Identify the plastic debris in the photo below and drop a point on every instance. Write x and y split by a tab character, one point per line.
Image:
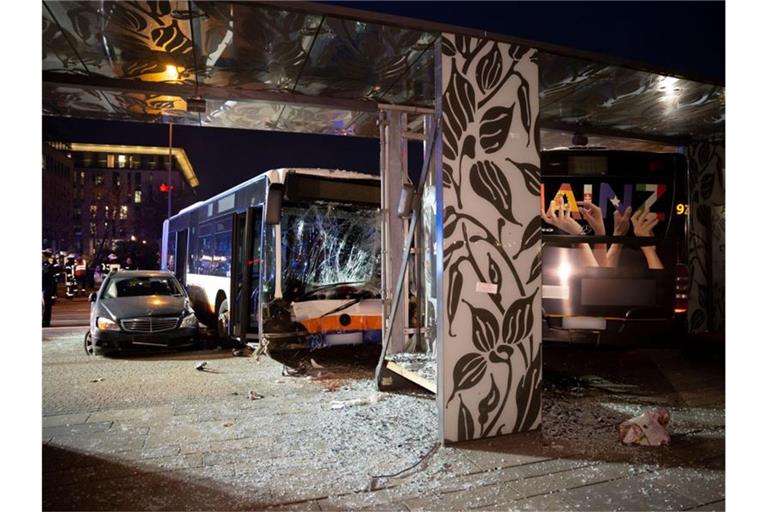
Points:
97	380
252	395
200	366
341	404
648	429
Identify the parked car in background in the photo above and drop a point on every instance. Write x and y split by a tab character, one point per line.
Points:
137	310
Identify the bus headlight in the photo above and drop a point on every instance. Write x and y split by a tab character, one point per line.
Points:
189	321
105	324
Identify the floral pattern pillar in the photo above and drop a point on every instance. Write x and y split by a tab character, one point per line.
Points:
706	238
489	348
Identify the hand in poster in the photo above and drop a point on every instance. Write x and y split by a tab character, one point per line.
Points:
559	215
593	215
621	222
643	223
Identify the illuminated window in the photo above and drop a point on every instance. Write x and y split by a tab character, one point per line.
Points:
111	161
121	161
98	178
123	212
116	180
137	196
93	210
92	228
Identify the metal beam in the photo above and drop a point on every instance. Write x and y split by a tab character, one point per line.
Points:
207	92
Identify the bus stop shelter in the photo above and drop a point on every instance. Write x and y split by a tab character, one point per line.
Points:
484	106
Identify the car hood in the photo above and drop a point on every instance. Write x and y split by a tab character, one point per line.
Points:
153	305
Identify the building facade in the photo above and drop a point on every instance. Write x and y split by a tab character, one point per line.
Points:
57	196
113	194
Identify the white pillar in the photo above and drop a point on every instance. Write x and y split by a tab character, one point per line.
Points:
489	287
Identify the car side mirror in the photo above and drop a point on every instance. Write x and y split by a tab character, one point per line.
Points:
92	297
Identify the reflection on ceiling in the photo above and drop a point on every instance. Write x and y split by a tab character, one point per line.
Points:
262	67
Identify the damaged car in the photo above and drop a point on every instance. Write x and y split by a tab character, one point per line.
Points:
139	310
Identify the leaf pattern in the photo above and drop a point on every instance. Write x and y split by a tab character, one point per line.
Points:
494	271
469	370
485	328
489	182
531	176
494	128
518	320
524	100
489	69
487	86
535	271
455	282
706	231
489	403
466	423
459	99
528	395
531	236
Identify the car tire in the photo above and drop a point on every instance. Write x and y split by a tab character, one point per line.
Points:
90	348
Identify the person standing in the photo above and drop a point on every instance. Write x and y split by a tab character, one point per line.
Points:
49	286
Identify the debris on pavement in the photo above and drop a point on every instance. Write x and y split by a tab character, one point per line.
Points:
648	429
244	351
200	366
252	395
341	404
100	379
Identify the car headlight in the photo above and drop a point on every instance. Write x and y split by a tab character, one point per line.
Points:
105	324
189	321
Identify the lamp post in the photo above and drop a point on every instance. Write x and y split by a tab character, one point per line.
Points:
170	165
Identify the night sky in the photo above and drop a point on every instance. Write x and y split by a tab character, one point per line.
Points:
685	36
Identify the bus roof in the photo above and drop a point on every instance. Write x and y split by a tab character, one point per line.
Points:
278	176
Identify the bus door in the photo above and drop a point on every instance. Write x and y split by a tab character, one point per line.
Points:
181	256
246	267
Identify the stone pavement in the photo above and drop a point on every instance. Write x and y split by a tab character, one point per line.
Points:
152	433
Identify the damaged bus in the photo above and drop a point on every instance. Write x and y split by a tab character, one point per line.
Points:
614	254
290	258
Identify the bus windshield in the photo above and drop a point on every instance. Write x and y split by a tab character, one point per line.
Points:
325	245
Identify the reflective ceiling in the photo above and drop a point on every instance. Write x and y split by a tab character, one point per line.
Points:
266	68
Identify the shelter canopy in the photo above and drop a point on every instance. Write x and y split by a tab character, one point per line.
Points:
298	69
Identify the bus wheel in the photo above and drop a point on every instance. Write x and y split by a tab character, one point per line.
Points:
222	323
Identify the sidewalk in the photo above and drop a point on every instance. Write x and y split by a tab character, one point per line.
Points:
154	433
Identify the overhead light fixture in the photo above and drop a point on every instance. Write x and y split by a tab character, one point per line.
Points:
171	72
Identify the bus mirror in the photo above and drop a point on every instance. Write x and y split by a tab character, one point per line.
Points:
274	204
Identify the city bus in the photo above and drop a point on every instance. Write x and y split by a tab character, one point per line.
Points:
630	284
290	258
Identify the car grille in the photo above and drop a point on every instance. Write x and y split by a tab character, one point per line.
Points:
150	324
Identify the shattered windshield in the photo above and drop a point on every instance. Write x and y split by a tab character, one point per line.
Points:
330	244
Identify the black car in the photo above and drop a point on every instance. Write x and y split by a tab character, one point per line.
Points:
137	310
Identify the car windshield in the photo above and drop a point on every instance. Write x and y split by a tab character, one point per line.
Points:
141	286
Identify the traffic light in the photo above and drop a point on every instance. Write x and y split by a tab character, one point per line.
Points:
164	187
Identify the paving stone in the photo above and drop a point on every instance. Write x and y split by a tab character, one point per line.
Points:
64	420
551	501
75	429
134	416
100	442
626	494
718	505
